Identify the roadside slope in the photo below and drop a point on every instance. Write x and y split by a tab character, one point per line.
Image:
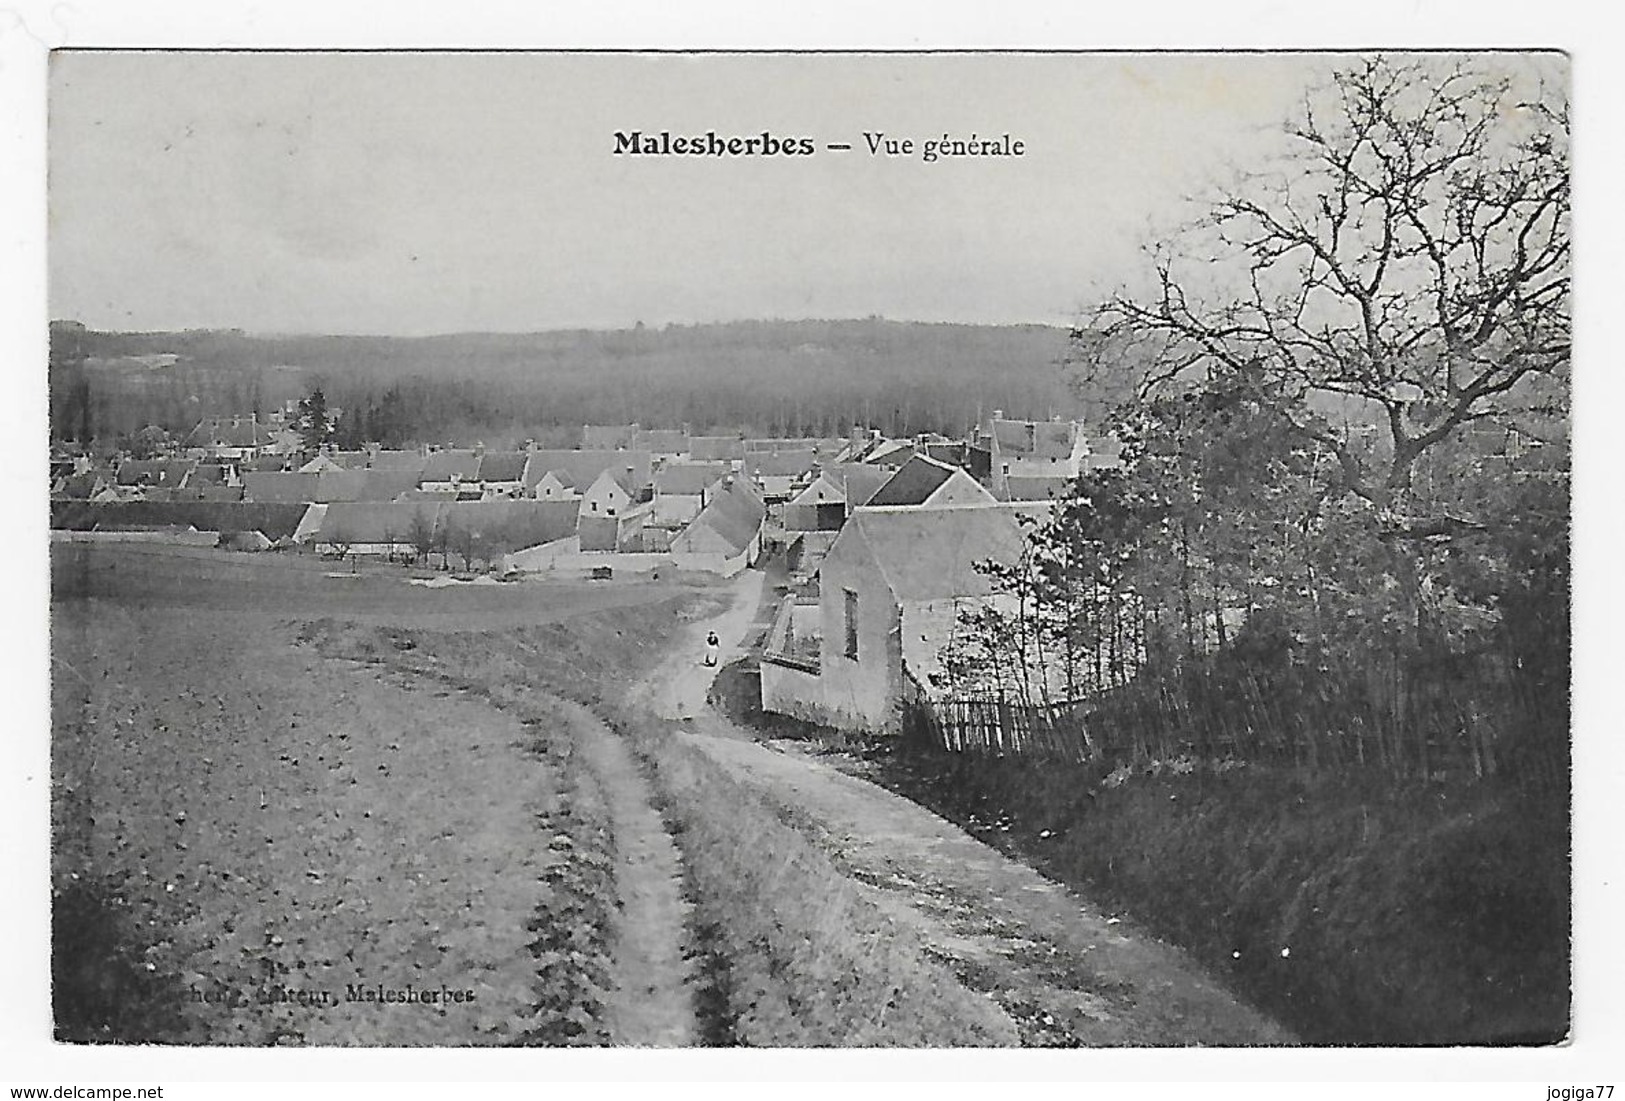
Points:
1065	972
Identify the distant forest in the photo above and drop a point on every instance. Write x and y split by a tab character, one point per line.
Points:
764	377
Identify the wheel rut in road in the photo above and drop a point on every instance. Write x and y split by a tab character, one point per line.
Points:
651	998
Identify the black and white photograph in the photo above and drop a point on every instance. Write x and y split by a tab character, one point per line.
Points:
779	549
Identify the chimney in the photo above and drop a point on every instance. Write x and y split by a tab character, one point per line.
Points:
479	450
998	414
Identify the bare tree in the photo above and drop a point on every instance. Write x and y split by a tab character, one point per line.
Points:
339	538
1406	263
458	539
420	534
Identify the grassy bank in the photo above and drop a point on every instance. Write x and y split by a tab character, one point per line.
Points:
795	956
1353	911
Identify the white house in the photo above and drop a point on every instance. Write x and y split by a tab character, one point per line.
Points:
726	536
891	569
608	495
554	485
681	489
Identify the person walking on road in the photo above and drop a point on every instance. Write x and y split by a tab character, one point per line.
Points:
712	648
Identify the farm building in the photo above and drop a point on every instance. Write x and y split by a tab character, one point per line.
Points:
889	573
213	474
681	489
826	449
1029	450
860	481
502	474
233	438
80	487
373	528
516	524
151	474
662	443
609	437
819	507
373	484
924	482
726	536
778	474
888	453
705	449
449	471
578	469
554	485
477	527
611	493
620	530
207	492
281	487
377	458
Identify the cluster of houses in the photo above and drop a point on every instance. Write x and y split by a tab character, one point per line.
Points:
883	535
890	541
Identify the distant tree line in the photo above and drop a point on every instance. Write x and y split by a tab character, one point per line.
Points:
768	378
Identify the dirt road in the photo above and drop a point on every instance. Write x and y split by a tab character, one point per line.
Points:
651	999
1064	971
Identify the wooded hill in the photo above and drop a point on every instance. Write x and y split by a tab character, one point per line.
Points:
768	377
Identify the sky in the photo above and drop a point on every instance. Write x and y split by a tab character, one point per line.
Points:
412	193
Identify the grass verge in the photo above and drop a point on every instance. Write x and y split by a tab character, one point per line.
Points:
1353	911
795	956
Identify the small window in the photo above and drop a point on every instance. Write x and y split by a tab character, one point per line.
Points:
851	624
595	506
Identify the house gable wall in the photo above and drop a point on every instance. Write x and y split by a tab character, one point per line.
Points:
959	489
865	694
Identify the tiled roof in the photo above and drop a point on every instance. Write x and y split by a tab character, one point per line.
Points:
669	441
771	464
861	481
584	465
157	473
689	479
914	481
287	487
734	514
607	437
930	554
443	465
230	432
502	466
705	448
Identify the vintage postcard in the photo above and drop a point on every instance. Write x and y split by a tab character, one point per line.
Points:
810	550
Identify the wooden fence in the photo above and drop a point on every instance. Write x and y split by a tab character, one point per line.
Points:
1461	718
999	727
